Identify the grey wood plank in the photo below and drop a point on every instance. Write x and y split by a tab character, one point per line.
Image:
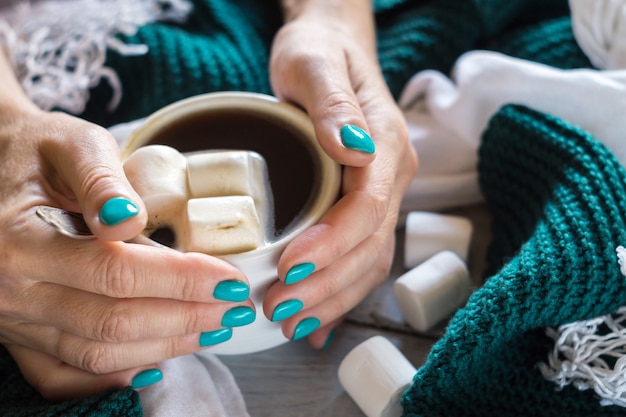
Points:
296	380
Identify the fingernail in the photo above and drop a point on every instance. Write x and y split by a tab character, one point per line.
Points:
231	290
116	210
299	272
286	309
215	337
305	328
238	316
354	137
147	377
329	339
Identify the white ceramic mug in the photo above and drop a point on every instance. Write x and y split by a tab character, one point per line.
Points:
305	181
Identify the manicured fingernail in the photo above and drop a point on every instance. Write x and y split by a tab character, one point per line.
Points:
299	272
354	137
215	337
329	339
286	309
305	328
147	377
238	316
116	210
231	290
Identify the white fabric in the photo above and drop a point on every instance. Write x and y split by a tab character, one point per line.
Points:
600	30
197	385
447	115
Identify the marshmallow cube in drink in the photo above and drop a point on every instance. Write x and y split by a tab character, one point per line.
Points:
375	374
233	173
221	225
432	291
210	200
429	233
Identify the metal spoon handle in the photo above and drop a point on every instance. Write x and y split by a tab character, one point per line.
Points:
66	222
73	225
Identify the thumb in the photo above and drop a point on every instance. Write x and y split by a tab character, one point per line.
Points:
325	91
87	160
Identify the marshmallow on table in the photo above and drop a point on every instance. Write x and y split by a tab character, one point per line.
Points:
210	200
429	233
375	374
432	291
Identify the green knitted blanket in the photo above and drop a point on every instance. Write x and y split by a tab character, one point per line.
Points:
225	46
489	351
559	203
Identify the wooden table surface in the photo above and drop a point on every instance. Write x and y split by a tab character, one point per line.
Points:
295	380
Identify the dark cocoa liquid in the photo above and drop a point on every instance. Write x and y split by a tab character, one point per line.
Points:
291	167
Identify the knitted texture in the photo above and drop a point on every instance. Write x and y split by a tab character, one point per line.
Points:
225	45
558	200
18	399
550	42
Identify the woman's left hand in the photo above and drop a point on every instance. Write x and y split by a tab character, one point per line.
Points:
324	60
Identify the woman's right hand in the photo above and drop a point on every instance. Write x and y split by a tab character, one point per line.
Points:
71	308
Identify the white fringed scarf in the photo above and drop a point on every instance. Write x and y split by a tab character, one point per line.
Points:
58	48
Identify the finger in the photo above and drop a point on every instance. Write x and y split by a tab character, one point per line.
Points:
85	159
310	320
325	87
58	381
355	274
126	270
104	358
357	215
110	320
323	337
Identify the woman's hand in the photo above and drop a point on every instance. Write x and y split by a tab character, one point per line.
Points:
324	60
79	316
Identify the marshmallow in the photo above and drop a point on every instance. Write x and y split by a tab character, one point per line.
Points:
433	290
215	202
430	233
223	173
375	374
158	174
220	225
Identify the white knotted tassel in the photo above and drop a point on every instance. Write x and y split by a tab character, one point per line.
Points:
58	48
591	354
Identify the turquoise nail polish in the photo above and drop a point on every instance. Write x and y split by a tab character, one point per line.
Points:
299	272
238	316
215	337
286	309
231	290
354	137
147	377
329	339
116	210
305	328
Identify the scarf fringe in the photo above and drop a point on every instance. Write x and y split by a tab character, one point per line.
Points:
58	48
591	354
